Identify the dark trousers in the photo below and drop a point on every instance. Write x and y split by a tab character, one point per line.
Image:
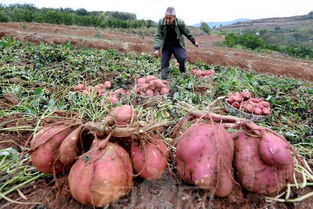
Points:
179	54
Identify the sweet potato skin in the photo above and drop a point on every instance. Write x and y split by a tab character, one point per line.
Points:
101	177
255	175
204	157
45	148
274	151
150	159
121	114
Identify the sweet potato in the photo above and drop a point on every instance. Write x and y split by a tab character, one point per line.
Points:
150	78
121	115
164	91
238	98
274	151
141	81
158	83
253	173
264	104
248	108
230	100
107	84
45	145
150	159
79	87
245	94
257	111
204	157
68	150
266	111
149	92
99	87
101	176
256	100
113	98
120	91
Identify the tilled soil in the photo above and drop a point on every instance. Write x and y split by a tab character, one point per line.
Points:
274	63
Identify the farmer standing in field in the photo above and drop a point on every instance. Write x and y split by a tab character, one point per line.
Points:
169	39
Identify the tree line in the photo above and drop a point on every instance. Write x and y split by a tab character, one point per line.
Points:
68	16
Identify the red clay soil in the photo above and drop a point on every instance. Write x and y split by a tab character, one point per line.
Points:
274	63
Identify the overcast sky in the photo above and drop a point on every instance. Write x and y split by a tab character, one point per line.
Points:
191	11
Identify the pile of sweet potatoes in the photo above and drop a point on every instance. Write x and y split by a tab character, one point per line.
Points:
101	89
100	171
202	73
245	102
151	86
206	153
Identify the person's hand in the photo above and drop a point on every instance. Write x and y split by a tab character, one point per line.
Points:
157	53
196	44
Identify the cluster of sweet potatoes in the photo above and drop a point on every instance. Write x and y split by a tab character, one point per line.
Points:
151	86
245	102
262	159
202	73
101	89
100	168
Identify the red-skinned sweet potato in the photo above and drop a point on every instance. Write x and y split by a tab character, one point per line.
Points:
101	176
150	159
45	147
113	98
121	115
79	87
253	173
141	81
164	91
149	92
150	78
107	84
68	150
274	151
245	94
204	158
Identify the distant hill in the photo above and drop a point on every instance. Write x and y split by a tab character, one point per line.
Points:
218	24
278	30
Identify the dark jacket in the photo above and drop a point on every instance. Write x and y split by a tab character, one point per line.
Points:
180	28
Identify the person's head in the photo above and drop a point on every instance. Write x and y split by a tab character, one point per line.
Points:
170	15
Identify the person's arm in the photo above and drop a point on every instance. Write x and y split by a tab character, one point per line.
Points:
158	37
187	32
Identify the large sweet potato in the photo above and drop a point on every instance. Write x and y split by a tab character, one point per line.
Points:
257	175
204	157
101	176
150	159
45	145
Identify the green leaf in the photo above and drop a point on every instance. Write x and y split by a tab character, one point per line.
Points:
310	91
38	91
307	129
249	76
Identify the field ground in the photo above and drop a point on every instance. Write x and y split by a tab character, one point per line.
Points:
274	63
37	82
